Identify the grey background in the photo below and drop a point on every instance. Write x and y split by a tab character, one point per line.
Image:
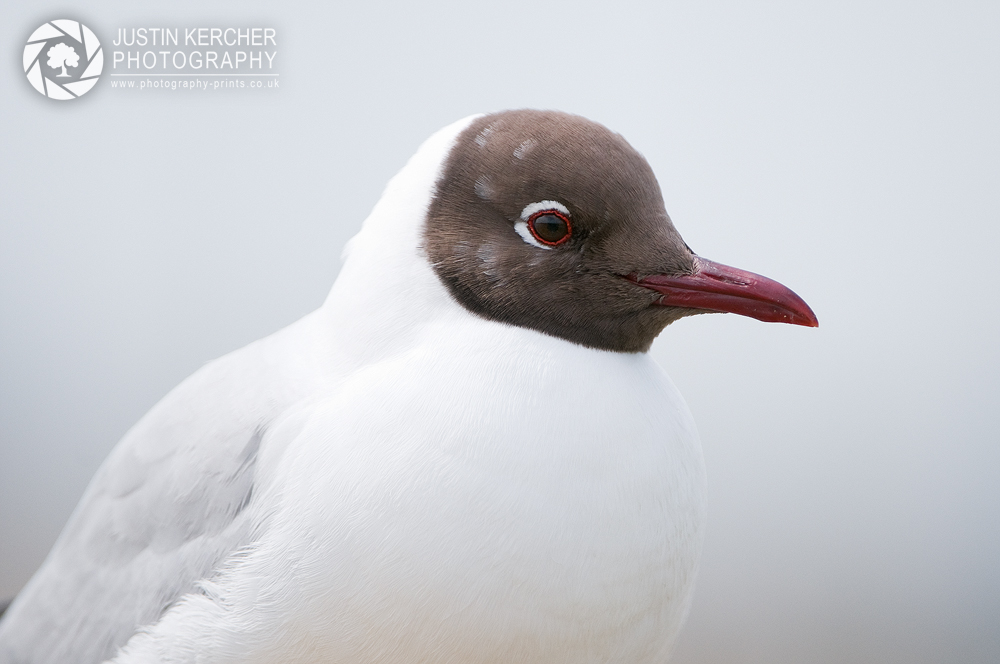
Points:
848	149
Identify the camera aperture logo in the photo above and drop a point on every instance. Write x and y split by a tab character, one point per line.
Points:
63	59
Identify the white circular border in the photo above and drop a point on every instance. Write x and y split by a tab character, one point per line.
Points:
79	33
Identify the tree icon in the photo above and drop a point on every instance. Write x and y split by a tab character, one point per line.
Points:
63	55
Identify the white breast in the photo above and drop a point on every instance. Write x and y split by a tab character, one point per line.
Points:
492	495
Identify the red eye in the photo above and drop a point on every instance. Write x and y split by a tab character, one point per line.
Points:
550	227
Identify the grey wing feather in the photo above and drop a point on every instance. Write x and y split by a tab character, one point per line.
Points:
163	511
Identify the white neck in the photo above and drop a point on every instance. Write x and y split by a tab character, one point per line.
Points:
387	288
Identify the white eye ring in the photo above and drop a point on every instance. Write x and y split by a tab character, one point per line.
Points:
522	226
532	208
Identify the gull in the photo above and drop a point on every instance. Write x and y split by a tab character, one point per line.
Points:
465	455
